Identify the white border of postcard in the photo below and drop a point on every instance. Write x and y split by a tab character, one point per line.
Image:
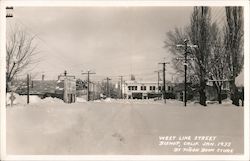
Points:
79	3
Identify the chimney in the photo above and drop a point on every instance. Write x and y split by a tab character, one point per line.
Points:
132	77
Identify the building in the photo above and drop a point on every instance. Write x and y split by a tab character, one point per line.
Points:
36	87
193	91
144	89
63	88
66	87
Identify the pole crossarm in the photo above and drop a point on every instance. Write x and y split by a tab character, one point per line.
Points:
191	46
107	78
160	70
186	59
164	63
89	73
220	80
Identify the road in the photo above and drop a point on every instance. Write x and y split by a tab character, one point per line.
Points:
118	127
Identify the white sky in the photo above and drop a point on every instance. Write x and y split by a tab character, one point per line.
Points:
110	41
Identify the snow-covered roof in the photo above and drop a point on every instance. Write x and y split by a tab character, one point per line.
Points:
144	82
239	81
39	86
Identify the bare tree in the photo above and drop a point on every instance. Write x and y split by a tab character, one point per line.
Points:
218	65
173	38
200	35
234	47
177	36
219	55
109	90
20	50
198	32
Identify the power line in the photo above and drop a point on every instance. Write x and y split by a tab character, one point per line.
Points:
41	40
56	52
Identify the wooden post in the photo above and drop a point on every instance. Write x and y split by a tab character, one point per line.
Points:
28	89
12	98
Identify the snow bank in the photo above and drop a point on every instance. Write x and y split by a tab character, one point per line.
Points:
34	99
80	100
140	101
21	99
51	100
227	101
109	100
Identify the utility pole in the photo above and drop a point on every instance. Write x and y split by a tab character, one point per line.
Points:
65	89
93	90
108	89
88	81
31	82
164	80
28	89
158	81
121	86
185	66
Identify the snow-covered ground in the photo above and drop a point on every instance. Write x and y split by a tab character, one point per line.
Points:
110	126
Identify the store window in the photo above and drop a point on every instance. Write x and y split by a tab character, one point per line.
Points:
143	88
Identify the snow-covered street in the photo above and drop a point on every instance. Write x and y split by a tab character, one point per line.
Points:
116	126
